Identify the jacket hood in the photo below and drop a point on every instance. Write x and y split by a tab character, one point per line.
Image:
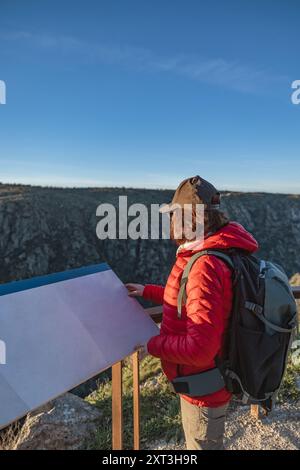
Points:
233	235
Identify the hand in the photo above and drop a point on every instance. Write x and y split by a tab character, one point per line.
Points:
135	290
142	349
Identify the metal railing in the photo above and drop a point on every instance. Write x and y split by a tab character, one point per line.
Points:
117	412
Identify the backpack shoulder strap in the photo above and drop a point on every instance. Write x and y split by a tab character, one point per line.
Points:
182	290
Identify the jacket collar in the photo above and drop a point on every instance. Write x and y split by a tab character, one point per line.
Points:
194	245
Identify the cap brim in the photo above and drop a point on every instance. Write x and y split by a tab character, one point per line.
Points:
171	207
165	208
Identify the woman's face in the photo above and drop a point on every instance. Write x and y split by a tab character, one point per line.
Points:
187	225
174	222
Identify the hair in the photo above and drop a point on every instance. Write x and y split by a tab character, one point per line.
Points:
214	220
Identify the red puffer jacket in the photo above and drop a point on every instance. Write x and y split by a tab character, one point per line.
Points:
189	345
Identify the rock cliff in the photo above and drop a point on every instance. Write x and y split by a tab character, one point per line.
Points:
46	230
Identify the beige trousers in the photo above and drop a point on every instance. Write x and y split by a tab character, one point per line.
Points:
203	427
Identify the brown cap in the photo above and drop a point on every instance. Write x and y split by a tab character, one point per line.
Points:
194	190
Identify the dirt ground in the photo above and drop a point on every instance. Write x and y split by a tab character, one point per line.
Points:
279	430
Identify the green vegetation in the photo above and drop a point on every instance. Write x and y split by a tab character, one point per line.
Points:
160	415
289	390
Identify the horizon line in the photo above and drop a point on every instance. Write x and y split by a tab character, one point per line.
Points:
145	188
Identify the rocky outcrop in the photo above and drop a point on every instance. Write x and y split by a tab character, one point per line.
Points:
67	423
47	230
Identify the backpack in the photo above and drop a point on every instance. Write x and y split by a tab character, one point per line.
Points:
261	325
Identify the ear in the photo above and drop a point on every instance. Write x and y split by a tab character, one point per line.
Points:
216	199
195	180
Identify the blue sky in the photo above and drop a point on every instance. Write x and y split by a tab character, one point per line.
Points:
145	93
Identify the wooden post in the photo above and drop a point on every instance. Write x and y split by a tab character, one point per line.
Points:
136	401
254	411
258	412
117	413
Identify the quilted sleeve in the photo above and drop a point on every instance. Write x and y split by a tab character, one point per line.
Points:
205	322
154	293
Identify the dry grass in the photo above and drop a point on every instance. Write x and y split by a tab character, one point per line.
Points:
9	436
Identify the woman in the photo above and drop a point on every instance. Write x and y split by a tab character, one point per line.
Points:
189	344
